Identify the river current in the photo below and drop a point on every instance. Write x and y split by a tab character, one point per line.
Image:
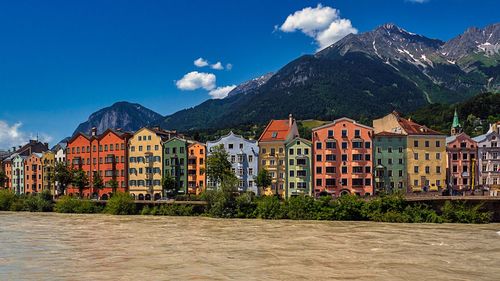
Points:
35	246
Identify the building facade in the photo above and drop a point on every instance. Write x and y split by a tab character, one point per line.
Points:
104	155
244	157
462	162
426	152
489	158
48	168
175	162
145	163
298	167
272	152
7	168
342	158
390	162
33	174
18	175
196	168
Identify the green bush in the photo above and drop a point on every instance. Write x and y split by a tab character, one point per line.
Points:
18	204
41	202
176	210
68	204
146	210
245	205
348	207
7	198
220	204
302	208
270	207
460	212
120	204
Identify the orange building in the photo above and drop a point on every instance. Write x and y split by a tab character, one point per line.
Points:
33	174
196	168
7	168
342	163
104	154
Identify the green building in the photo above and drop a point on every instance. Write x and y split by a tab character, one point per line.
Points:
298	167
390	162
175	162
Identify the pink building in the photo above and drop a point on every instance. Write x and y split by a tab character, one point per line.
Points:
462	164
342	162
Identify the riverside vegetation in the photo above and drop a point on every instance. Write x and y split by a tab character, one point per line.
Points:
225	203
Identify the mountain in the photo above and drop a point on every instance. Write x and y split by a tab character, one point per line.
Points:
121	115
248	86
362	76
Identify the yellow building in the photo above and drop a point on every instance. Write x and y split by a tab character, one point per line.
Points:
272	152
48	166
426	152
145	170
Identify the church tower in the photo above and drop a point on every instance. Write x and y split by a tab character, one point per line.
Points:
456	128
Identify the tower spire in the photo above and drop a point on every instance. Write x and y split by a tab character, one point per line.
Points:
456	128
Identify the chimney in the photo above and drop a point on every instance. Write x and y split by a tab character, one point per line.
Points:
94	131
13	149
290	120
46	144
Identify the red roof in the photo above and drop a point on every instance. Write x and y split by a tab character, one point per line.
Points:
388	134
276	130
413	128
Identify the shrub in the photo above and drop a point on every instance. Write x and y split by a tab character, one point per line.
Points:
18	204
302	208
7	198
68	204
41	202
348	207
120	204
245	205
270	207
421	213
220	204
176	210
460	212
146	210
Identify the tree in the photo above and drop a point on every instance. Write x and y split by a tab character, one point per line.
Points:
263	179
218	165
114	185
169	186
63	175
81	181
97	181
3	179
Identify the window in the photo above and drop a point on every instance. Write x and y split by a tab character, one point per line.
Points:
455	169
250	158
292	173
367	157
415	169
318	145
319	158
319	170
438	156
400	150
355	144
344	157
344	182
291	162
357	157
331	170
427	156
250	171
389	161
427	170
357	170
344	145
330	182
273	151
357	134
357	182
427	143
389	149
331	157
290	151
415	156
438	170
292	185
230	146
330	133
331	145
344	170
438	144
368	169
367	145
344	133
299	151
415	143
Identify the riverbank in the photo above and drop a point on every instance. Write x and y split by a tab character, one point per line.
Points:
386	208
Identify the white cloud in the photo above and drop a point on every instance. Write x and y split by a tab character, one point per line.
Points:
321	23
12	135
229	66
417	1
217	66
200	62
196	80
221	92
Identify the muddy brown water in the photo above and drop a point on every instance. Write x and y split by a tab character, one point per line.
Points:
53	246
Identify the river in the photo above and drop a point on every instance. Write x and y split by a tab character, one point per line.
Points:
35	246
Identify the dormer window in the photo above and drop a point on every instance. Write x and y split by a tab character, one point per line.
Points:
275	135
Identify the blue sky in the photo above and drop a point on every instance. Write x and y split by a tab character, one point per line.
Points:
62	60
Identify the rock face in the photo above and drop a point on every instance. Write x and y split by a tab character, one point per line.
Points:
248	86
121	115
361	76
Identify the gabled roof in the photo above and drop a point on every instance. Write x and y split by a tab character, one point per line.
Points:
388	134
412	128
298	139
276	130
228	135
484	137
340	120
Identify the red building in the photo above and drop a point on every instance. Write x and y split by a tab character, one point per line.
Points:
462	164
342	163
104	154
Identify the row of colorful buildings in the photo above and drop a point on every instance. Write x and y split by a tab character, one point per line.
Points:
342	157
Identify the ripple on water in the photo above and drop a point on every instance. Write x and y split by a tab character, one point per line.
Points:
76	247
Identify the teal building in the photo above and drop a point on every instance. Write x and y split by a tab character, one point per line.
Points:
298	167
175	162
390	162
